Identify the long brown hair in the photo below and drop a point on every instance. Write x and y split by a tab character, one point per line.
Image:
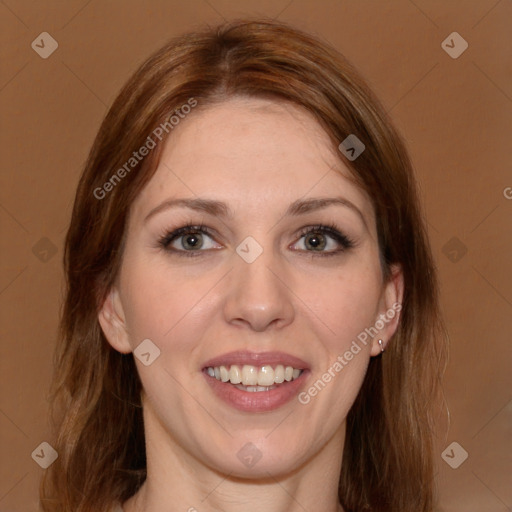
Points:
96	408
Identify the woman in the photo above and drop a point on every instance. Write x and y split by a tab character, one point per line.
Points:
245	244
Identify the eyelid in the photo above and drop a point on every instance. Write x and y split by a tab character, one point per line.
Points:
331	230
171	235
327	229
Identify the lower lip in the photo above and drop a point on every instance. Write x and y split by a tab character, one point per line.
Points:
256	401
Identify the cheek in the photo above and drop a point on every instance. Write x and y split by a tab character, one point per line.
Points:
163	305
344	302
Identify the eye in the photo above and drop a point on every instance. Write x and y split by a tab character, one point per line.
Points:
188	240
326	240
319	240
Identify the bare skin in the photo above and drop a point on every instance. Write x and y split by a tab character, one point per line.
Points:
258	157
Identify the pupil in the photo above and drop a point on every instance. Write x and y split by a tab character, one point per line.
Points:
192	241
315	241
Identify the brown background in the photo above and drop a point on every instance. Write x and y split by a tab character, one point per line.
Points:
454	113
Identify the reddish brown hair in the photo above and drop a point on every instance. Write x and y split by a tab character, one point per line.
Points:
387	459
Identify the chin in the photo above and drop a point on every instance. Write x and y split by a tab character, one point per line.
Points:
259	459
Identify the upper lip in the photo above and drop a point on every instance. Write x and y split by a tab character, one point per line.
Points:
257	359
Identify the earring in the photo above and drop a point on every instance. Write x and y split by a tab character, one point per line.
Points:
381	347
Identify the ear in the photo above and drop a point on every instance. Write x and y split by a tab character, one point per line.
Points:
390	305
113	324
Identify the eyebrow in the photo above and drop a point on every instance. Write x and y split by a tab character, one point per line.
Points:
220	209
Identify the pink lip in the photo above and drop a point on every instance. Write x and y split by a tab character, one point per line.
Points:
260	401
257	359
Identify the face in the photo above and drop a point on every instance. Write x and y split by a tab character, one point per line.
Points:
259	307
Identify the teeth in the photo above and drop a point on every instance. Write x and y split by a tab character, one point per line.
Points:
235	375
253	378
253	389
224	374
249	375
266	376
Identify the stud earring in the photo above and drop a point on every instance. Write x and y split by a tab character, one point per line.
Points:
381	347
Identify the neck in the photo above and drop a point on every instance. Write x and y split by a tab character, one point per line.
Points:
177	482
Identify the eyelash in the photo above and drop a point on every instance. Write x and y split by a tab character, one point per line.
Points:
323	229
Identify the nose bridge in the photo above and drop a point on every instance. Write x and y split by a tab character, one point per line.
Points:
257	295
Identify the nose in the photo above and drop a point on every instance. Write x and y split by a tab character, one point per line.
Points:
258	294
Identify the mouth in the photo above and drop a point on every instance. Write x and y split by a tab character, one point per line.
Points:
256	382
252	378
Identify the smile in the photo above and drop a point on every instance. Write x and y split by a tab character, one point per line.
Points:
252	378
256	382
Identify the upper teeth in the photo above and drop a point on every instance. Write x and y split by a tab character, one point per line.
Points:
252	375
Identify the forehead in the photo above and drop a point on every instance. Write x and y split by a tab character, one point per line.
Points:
250	130
247	151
